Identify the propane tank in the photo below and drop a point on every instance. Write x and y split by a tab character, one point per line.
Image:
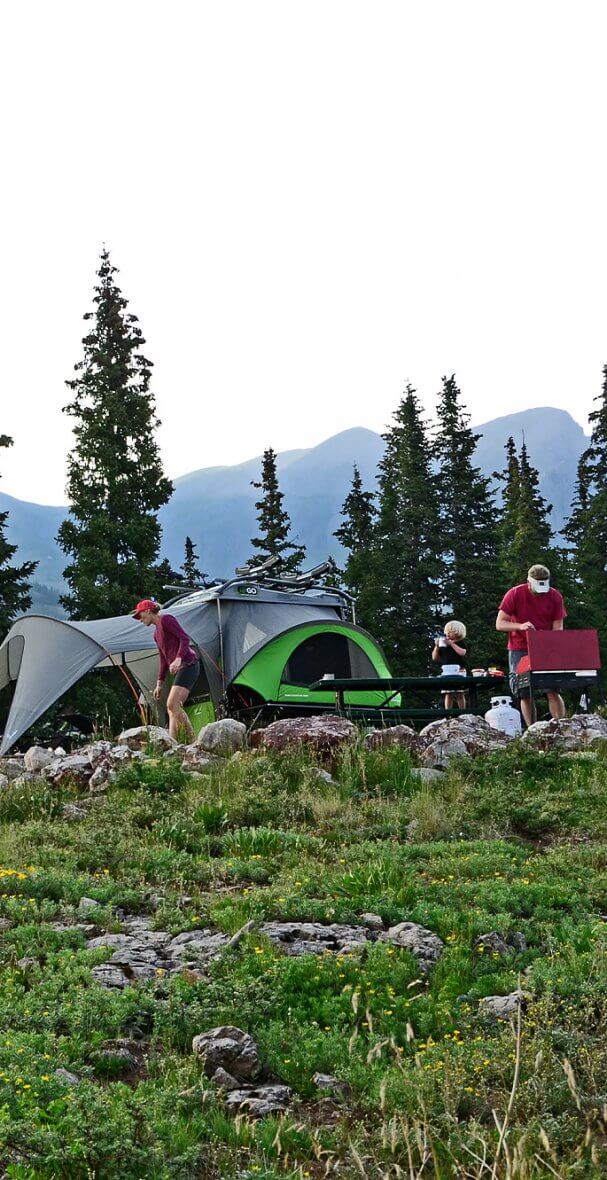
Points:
503	716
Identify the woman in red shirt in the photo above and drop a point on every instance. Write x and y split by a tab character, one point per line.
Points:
176	656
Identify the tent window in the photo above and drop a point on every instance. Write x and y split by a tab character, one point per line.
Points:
328	651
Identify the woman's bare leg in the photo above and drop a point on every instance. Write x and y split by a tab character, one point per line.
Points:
178	718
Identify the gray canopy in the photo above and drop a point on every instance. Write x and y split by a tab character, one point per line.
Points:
228	624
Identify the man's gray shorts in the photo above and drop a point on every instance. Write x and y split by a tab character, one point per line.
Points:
514	659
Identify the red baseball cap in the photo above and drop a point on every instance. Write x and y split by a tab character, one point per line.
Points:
145	604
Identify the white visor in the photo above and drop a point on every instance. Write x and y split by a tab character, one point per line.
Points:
540	587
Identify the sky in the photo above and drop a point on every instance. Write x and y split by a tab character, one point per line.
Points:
310	205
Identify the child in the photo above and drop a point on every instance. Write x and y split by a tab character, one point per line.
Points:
449	653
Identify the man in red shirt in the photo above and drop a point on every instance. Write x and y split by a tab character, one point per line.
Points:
532	606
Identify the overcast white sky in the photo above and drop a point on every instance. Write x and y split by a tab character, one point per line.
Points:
310	204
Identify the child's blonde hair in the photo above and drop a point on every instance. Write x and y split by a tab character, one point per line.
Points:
459	628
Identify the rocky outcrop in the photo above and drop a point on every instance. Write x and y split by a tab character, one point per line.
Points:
313	938
494	943
140	954
259	1101
501	1007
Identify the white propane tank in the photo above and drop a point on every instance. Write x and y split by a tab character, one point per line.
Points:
503	716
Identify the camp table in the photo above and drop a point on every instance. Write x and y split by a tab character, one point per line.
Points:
394	685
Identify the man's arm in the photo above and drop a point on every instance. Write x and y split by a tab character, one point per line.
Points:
557	624
505	622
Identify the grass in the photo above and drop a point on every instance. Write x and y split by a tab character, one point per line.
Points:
515	842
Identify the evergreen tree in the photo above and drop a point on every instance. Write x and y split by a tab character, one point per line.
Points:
586	529
14	579
470	580
510	479
407	557
531	541
274	522
357	536
192	574
115	480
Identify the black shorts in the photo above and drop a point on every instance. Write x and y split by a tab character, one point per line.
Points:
187	676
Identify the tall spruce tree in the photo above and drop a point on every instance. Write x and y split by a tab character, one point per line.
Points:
357	536
470	580
274	538
115	481
15	595
408	557
192	574
586	529
510	479
531	541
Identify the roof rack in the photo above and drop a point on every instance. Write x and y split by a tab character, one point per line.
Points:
262	575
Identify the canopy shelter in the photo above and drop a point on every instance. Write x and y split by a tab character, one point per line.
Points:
230	624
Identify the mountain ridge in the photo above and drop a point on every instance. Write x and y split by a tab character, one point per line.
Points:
215	506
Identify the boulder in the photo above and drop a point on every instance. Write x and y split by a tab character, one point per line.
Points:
142	737
583	731
501	1007
372	921
425	946
426	774
321	734
393	735
12	767
493	943
100	777
119	756
466	735
259	1100
222	737
194	758
96	751
36	758
228	1048
4	781
86	904
64	1075
73	769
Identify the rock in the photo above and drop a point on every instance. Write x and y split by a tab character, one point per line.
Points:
97	751
6	924
4	781
323	776
224	1080
142	737
27	963
12	767
518	942
425	946
73	769
305	938
372	921
580	732
109	976
73	811
501	1007
393	735
227	1048
197	945
459	736
194	758
120	756
36	758
121	1051
321	734
326	1081
59	752
426	774
99	779
259	1100
222	737
64	1075
86	904
493	943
